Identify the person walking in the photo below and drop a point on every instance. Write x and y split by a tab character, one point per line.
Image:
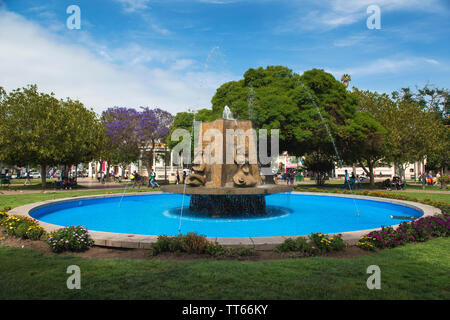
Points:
27	178
152	180
178	177
346	179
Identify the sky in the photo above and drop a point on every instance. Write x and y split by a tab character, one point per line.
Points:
174	54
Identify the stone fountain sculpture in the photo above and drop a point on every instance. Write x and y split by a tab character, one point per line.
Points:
221	188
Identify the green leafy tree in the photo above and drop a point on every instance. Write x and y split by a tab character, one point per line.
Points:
36	128
320	164
277	98
363	143
412	131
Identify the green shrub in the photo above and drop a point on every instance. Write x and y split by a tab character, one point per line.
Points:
3	215
198	244
193	243
244	251
288	245
318	243
23	227
416	231
325	244
70	239
445	179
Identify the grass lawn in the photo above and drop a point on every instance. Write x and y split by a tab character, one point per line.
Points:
433	196
414	271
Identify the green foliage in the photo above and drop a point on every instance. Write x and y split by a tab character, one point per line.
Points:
445	179
22	227
192	243
74	238
3	215
196	244
411	130
316	244
418	230
277	98
36	128
182	120
319	163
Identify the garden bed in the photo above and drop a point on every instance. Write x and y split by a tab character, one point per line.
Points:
98	252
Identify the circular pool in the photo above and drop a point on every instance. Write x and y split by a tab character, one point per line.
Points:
288	214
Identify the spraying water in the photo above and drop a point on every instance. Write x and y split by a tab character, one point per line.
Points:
227	114
184	182
330	136
125	190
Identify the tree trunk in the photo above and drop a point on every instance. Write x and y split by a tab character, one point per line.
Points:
44	176
372	178
369	172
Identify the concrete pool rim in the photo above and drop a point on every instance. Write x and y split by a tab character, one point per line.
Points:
136	241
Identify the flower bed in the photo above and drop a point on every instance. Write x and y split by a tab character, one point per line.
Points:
419	230
196	244
70	239
316	244
22	227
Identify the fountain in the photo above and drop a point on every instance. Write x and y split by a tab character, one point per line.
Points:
227	189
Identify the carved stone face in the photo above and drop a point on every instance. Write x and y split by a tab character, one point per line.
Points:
219	173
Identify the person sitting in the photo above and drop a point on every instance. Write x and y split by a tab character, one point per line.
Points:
387	184
398	183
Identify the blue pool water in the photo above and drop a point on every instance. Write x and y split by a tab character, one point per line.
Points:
288	214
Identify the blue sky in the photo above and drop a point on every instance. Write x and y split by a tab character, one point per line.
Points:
174	54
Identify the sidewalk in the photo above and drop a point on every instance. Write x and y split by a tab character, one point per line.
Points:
94	184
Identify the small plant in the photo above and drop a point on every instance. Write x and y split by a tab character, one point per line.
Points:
23	227
444	181
193	243
3	215
419	230
318	243
70	239
196	244
366	243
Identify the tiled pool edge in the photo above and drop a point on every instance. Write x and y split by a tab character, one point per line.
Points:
134	241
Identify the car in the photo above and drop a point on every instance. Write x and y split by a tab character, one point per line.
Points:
35	175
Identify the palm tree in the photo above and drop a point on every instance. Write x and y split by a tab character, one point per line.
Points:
346	79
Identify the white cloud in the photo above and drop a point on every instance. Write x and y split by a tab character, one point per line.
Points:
351	40
330	14
29	54
134	5
394	65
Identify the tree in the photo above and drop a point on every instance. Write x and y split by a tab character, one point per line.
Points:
36	128
320	164
121	145
84	133
153	127
277	98
363	142
411	130
182	120
436	102
131	132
